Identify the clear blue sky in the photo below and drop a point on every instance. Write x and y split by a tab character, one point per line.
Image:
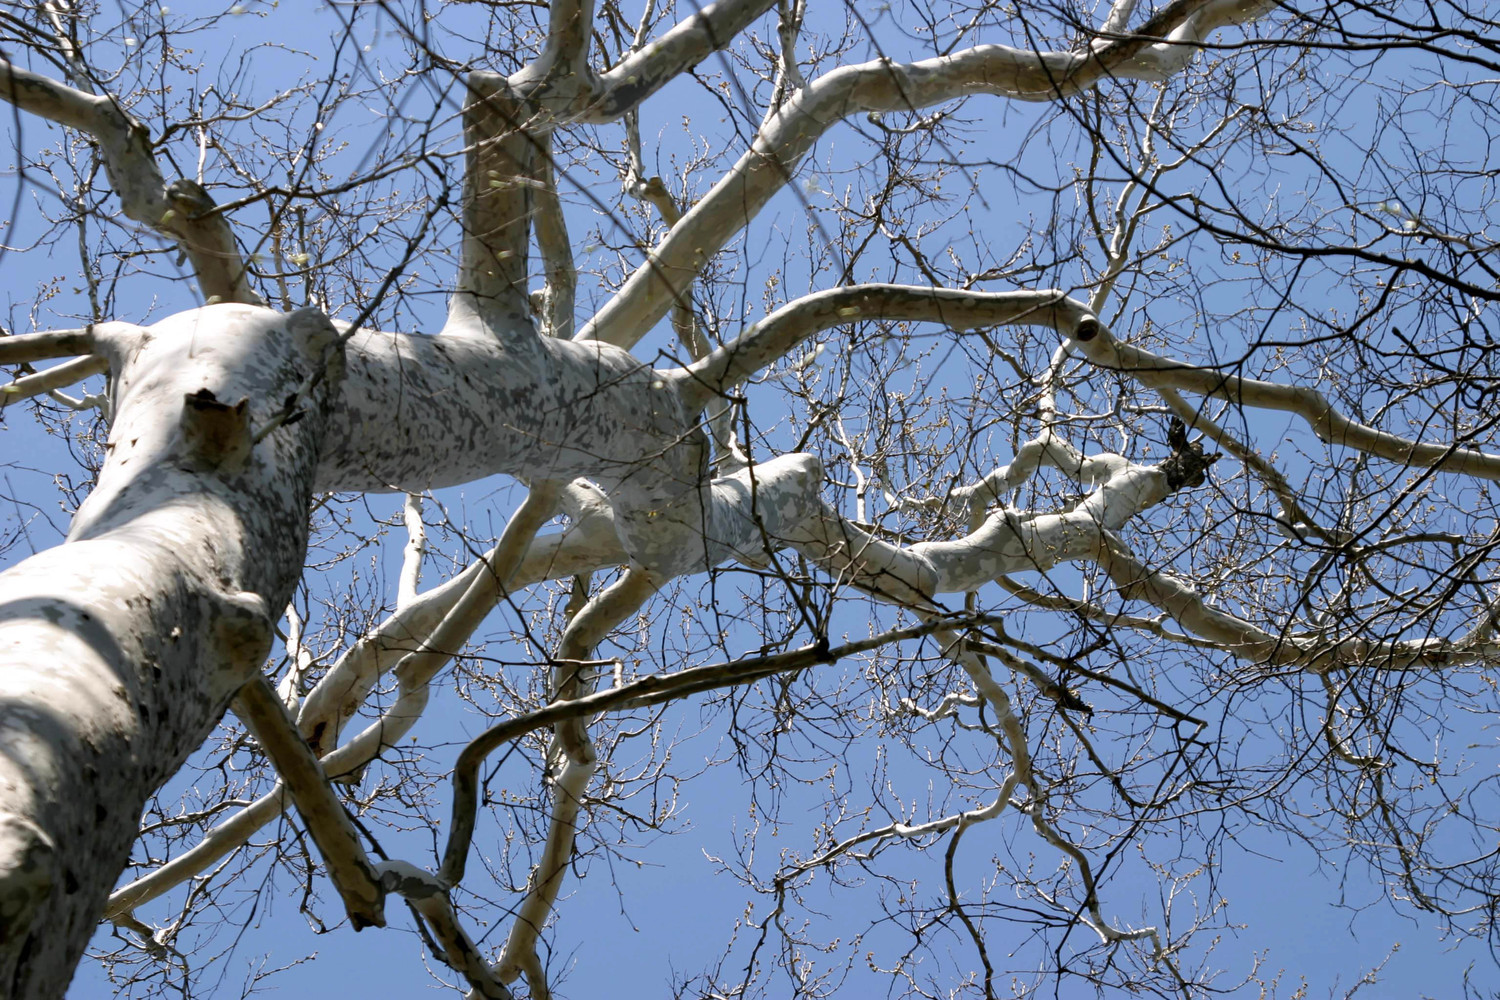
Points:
626	929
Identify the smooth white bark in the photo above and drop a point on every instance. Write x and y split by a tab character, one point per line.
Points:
57	377
159	607
122	647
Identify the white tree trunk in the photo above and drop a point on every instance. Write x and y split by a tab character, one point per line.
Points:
158	608
120	649
125	645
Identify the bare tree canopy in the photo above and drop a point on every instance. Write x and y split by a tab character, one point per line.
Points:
1032	452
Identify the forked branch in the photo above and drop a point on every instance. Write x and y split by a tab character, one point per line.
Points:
1163	46
181	211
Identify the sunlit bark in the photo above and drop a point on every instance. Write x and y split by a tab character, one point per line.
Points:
123	646
126	644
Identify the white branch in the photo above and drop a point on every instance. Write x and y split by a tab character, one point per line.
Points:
777	334
963	310
414	552
26	347
290	689
882	85
57	377
652	66
570	679
556	249
1006	542
1328	424
182	211
755	508
491	298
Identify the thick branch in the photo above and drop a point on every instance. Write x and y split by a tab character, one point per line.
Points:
1025	541
27	347
752	512
754	509
181	211
886	86
1009	541
506	122
646	70
567	50
491	296
348	868
422	412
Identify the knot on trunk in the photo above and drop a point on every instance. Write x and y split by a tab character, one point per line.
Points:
28	868
215	436
1188	463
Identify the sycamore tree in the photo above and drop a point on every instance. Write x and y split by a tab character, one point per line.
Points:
1053	438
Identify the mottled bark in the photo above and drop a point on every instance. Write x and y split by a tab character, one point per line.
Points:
122	647
421	412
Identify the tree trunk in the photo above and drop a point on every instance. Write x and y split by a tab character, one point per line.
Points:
120	649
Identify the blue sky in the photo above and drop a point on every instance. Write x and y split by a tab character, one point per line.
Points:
664	908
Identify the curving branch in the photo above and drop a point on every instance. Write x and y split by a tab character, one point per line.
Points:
566	53
772	337
1011	541
1162	47
750	509
430	899
413	553
181	211
571	676
1013	738
1008	541
1053	309
1331	426
655	689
